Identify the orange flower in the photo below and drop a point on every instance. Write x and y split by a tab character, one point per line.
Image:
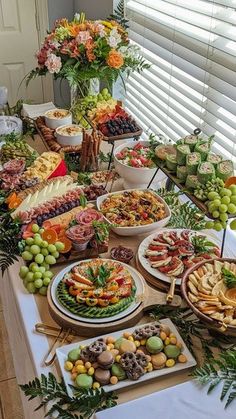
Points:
74	29
115	59
90	55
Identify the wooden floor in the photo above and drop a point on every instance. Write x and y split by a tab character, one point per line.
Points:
10	402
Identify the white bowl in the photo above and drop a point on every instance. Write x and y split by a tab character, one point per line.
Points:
53	121
133	176
133	231
65	135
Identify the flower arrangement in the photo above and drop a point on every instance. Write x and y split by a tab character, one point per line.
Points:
83	49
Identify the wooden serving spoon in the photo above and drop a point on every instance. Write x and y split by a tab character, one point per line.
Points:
171	292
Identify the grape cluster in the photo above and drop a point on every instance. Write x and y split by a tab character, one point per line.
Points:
81	108
118	126
221	205
41	254
215	185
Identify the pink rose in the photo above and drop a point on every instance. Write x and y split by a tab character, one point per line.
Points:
53	63
83	37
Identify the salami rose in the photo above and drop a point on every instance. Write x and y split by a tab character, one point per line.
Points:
80	236
14	166
87	217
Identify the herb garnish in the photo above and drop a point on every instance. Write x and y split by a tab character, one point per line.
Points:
202	244
229	278
99	276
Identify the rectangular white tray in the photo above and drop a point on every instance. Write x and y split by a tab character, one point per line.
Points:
63	351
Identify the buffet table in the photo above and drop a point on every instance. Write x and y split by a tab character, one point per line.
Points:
22	311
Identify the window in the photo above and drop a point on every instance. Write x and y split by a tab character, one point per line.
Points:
191	46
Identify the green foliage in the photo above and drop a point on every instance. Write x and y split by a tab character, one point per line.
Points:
82	405
105	157
229	278
99	276
9	240
183	215
220	371
101	230
202	244
84	178
119	15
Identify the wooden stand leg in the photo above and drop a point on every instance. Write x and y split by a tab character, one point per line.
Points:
152	179
223	242
111	156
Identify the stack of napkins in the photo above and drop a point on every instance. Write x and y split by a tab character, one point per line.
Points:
33	111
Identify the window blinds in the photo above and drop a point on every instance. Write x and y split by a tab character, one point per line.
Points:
191	46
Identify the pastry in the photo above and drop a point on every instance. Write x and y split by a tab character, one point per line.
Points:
154	345
142	359
146	331
135	372
105	359
158	360
127	346
127	359
118	371
97	347
102	376
172	351
84	381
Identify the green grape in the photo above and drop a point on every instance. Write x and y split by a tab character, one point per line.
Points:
41	230
59	246
29	241
42	269
43	291
209	224
233	225
52	248
233	199
27	255
44	251
37	235
45	265
50	260
232	209
224	224
48	274
35	228
34	249
215	214
55	254
46	281
27	248
212	195
31	288
39	258
38	241
232	188
33	267
23	271
38	283
217	203
25	283
225	200
38	275
44	243
223	217
223	208
225	192
29	277
218	226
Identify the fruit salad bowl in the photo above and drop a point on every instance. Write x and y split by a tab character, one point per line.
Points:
133	163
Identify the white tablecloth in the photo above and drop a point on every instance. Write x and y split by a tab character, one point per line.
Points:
184	401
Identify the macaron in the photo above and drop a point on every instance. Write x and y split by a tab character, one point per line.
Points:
105	359
154	345
84	381
172	351
102	376
118	372
127	346
118	342
158	360
74	355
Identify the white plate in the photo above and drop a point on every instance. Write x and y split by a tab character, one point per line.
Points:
140	229
154	271
64	350
140	288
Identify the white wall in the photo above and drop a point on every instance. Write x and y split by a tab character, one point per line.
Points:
94	9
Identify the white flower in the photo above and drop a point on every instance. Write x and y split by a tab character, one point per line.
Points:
100	28
114	38
77	17
53	63
130	51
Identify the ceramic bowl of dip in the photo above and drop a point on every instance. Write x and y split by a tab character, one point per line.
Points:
55	118
69	135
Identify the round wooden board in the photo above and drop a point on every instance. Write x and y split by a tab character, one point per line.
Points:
154	282
150	298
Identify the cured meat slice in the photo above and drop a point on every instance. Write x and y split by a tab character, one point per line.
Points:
87	217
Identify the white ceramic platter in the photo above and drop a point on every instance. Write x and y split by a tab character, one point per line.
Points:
64	350
154	271
140	289
140	229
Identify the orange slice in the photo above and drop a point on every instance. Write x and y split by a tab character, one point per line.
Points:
230	181
49	235
14	203
67	243
56	227
11	197
27	234
47	224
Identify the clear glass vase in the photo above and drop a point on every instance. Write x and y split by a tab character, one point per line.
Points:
84	88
